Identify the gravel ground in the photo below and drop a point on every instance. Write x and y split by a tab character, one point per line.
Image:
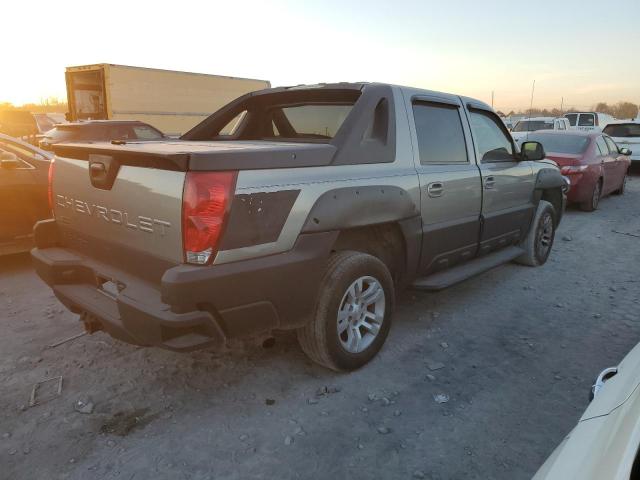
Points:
510	354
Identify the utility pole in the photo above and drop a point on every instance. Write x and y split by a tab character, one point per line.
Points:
562	105
491	98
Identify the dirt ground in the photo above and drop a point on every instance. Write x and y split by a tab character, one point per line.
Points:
511	353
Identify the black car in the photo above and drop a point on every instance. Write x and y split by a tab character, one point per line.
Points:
23	192
100	131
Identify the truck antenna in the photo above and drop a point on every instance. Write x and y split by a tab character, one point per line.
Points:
533	88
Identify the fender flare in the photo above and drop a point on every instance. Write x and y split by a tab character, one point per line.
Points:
352	207
548	178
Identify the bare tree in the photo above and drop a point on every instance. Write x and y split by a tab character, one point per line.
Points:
624	110
603	107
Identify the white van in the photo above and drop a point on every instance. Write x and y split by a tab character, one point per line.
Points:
588	121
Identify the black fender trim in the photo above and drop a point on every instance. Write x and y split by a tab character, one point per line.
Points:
549	178
550	185
353	207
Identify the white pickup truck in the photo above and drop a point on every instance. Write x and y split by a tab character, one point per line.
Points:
521	129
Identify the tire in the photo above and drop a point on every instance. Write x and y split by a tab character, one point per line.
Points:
537	245
591	205
623	185
340	306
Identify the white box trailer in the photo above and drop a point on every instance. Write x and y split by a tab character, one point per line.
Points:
171	101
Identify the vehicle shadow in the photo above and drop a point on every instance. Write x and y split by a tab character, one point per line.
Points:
15	262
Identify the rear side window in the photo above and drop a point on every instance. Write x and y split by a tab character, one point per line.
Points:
231	128
586	120
602	146
491	141
572	117
613	148
440	135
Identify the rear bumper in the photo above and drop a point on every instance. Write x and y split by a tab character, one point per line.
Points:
582	185
193	307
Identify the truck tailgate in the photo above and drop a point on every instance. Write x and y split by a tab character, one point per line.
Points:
136	223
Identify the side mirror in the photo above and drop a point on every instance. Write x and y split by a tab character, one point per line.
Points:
9	161
532	151
624	151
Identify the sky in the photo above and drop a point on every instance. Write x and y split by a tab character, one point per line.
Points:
581	51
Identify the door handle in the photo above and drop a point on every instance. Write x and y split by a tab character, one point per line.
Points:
435	189
489	182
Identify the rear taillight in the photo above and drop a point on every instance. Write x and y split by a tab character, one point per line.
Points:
205	203
572	169
50	185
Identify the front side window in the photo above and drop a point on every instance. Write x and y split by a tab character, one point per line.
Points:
440	135
491	141
573	118
586	120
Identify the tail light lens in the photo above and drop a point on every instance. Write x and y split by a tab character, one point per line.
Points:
572	169
50	185
205	203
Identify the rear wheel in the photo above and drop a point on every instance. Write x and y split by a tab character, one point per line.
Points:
353	312
537	245
592	204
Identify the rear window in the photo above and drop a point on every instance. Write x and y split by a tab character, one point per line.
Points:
145	132
623	130
573	118
310	121
533	125
586	120
61	134
568	144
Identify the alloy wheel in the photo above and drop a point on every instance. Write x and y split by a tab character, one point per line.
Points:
544	236
360	314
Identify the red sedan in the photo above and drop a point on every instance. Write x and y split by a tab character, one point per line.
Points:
592	161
